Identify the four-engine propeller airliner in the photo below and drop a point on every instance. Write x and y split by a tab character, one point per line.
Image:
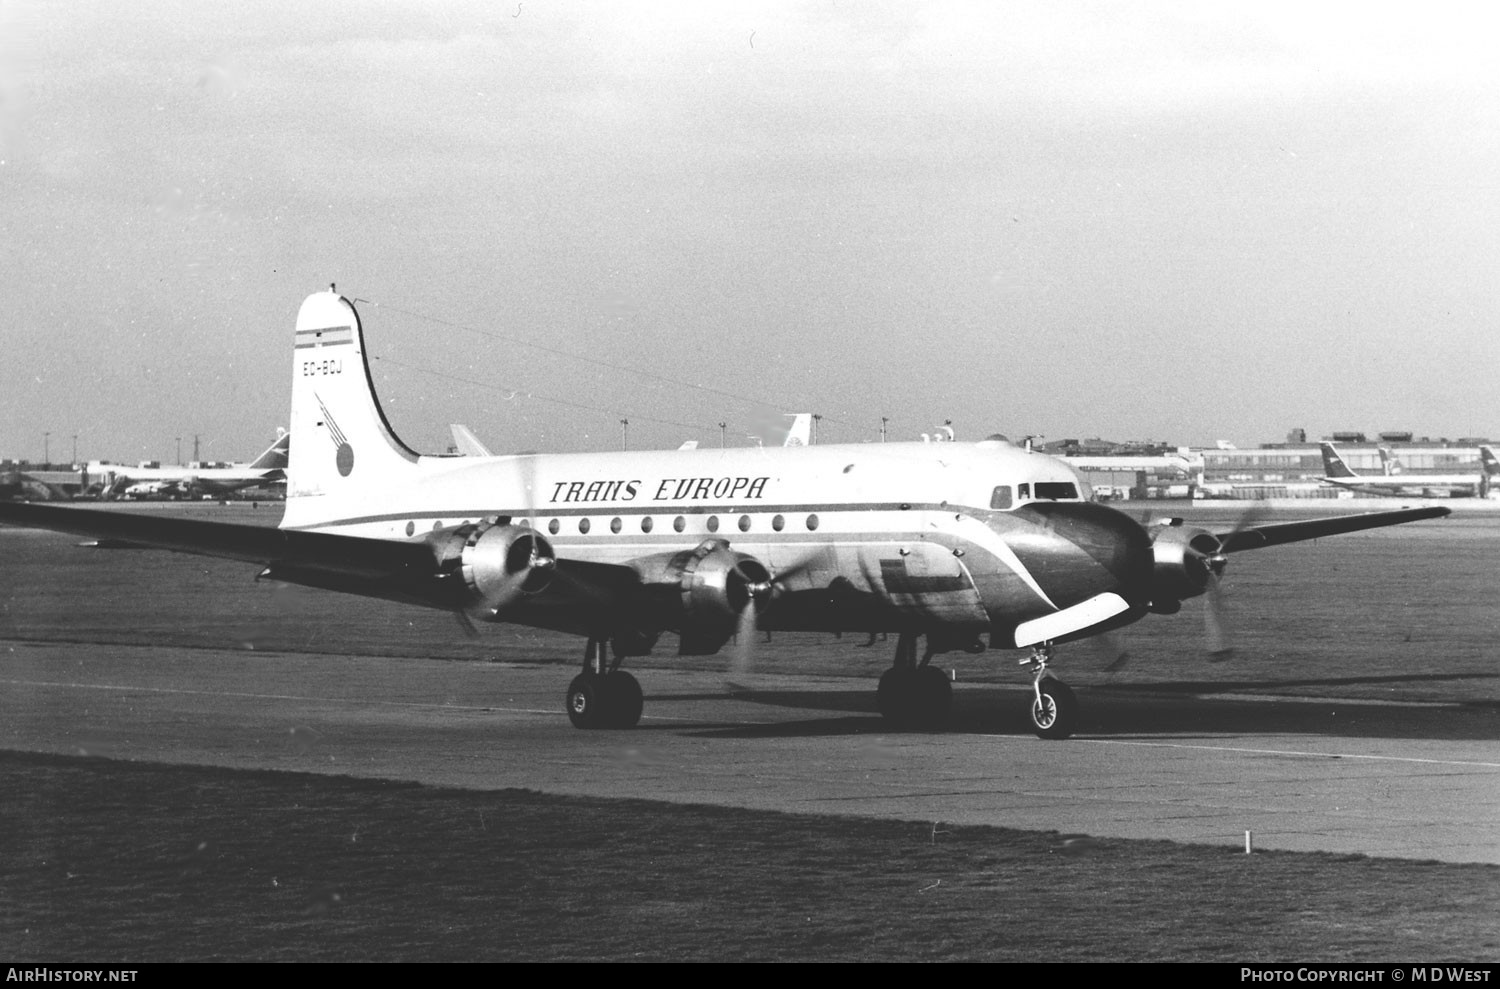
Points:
1392	481
973	546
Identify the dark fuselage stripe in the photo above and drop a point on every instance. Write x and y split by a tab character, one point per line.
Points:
634	511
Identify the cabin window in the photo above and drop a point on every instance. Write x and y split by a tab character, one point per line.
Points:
554	526
713	523
778	523
584	526
646	523
812	522
1000	497
679	523
1056	490
411	527
744	523
1023	491
614	525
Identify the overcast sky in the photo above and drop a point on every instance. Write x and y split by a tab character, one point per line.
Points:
1182	222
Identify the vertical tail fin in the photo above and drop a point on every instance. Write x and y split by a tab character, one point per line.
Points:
800	433
1490	461
345	447
1390	464
275	456
1333	464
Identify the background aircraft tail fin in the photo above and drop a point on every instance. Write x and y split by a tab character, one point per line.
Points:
276	454
1390	464
1333	464
800	433
344	445
1489	460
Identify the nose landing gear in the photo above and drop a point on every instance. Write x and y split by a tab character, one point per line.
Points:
1054	709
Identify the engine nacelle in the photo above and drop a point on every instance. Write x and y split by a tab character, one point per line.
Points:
702	593
495	565
1186	557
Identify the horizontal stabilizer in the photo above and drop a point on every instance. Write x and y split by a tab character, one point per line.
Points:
466	442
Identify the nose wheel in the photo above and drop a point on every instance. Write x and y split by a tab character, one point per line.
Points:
1054	709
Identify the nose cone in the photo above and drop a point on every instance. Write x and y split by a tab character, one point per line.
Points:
1079	549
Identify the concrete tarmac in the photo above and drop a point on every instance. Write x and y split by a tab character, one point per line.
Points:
1346	776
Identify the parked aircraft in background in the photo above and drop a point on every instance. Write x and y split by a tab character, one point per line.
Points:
972	546
192	481
25	484
1474	484
1183	463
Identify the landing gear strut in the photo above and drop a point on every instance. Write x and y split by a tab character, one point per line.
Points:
913	694
603	695
1054	709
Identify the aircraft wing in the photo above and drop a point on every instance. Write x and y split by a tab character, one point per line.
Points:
1260	536
391	569
356	557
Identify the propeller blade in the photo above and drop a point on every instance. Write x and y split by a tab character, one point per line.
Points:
1114	649
1215	625
1110	650
527	464
742	656
1215	628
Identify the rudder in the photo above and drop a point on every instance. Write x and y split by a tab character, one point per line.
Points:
1333	464
344	445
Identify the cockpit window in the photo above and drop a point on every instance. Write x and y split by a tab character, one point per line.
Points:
1057	490
1000	497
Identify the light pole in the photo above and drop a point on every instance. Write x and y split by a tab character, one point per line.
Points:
75	448
883	421
624	434
46	448
814	437
179	451
723	435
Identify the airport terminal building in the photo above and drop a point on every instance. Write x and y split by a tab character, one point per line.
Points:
1289	469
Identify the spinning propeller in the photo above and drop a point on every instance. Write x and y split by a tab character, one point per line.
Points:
1190	562
742	655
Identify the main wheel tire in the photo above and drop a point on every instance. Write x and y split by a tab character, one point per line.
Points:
623	699
1055	713
932	698
588	701
894	695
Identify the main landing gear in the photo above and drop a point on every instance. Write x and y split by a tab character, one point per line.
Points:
913	694
603	695
1054	710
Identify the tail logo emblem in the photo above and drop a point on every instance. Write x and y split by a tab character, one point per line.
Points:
343	457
